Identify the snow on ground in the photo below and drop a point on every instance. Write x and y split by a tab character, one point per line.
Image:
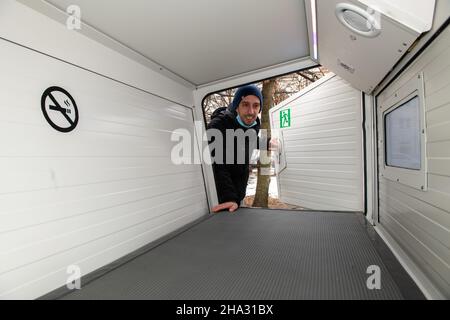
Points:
251	187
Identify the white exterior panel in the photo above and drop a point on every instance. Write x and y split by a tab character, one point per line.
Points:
93	195
323	147
419	221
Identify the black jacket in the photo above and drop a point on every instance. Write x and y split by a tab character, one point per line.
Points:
231	179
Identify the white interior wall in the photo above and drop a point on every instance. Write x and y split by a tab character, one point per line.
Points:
109	187
419	221
323	147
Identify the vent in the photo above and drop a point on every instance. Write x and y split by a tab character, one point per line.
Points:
346	66
356	20
359	21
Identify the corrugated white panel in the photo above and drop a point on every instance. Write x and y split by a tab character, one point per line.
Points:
90	196
420	221
323	147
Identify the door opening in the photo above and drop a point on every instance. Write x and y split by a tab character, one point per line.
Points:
263	187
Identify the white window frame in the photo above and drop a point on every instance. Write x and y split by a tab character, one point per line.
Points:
411	177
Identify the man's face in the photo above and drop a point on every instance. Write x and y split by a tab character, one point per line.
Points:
248	109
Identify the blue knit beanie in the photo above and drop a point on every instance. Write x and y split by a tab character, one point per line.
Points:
249	90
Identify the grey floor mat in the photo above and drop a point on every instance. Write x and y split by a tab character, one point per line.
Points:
254	255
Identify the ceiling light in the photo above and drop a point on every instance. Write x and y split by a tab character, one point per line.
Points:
358	20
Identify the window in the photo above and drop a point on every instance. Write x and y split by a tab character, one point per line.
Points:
402	120
403	144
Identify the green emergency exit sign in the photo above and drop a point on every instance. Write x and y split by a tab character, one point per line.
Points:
285	118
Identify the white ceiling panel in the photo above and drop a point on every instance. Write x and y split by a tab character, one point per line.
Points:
202	40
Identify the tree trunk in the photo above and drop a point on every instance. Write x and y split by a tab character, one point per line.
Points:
264	163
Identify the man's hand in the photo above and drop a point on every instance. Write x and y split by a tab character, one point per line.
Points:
274	144
230	206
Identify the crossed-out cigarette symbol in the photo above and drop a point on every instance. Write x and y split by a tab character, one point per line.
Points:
51	109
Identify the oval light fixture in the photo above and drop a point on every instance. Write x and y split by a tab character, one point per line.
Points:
358	20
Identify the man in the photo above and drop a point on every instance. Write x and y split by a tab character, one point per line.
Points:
240	117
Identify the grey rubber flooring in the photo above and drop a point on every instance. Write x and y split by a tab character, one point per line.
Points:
255	255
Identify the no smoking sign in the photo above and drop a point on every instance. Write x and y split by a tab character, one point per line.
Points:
59	109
